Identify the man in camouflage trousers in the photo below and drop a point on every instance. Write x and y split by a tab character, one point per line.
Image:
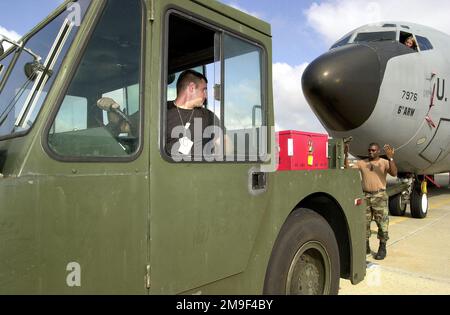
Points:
374	171
377	209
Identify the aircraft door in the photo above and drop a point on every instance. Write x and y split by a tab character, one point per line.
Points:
439	146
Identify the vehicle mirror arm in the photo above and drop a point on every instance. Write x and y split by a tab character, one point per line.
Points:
3	38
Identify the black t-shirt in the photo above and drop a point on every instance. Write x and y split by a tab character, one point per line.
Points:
178	118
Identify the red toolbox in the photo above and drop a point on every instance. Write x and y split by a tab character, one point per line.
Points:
299	150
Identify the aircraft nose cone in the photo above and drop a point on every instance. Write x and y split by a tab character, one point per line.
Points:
342	86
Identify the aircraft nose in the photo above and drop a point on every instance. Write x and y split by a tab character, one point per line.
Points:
342	86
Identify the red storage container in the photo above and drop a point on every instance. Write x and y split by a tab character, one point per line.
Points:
300	150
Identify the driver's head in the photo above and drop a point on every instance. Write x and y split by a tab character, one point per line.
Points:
193	84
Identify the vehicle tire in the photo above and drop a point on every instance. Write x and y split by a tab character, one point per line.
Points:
418	204
397	205
305	257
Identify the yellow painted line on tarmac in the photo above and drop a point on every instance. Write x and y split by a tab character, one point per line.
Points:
438	204
441	203
397	220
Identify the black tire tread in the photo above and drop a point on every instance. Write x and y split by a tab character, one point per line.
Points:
416	205
301	226
394	206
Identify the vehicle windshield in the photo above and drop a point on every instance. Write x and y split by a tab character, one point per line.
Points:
28	82
4	64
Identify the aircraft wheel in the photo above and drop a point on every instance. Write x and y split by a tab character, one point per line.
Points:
397	205
418	204
305	257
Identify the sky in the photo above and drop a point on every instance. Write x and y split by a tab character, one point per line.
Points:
302	30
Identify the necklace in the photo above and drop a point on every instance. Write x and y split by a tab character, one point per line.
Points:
188	123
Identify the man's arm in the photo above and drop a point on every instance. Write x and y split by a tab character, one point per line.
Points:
118	121
390	155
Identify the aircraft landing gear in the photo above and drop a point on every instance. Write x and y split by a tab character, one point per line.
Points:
414	192
419	200
398	203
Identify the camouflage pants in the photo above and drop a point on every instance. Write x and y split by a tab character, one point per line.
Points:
377	210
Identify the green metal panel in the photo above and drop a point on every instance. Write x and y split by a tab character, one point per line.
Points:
234	14
336	153
288	189
60	220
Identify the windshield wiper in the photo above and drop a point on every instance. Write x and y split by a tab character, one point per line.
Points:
43	72
13	102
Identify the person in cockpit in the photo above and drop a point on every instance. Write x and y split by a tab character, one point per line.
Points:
411	43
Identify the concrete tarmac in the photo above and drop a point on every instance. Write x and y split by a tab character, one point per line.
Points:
418	253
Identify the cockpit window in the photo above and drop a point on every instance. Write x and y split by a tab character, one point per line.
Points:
424	43
389	25
408	40
341	42
375	37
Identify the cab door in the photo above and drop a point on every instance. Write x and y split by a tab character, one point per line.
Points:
205	210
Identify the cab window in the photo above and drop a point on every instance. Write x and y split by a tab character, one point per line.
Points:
100	115
234	109
244	114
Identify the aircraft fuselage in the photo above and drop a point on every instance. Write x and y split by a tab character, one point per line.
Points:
374	88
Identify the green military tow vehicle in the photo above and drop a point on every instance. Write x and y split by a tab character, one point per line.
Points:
85	210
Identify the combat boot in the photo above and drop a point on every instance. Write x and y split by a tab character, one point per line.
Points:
368	247
381	251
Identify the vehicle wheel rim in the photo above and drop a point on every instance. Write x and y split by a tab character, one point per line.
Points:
424	203
310	271
402	202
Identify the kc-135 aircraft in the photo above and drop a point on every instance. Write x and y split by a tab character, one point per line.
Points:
374	88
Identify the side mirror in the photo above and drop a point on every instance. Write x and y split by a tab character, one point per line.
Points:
30	71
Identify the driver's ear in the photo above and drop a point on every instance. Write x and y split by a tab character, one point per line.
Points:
191	87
